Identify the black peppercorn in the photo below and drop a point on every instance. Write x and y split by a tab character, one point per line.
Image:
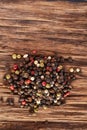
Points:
10	101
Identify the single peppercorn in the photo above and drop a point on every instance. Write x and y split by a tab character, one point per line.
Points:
44	83
78	70
19	56
71	70
48	85
10	101
7	76
25	55
14	56
17	72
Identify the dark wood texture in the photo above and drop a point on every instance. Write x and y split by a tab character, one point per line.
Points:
50	26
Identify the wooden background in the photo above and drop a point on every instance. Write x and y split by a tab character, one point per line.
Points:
49	26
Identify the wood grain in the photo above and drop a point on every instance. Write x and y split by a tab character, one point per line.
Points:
51	27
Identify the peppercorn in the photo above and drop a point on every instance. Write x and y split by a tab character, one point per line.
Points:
42	76
10	101
14	56
12	87
38	65
29	99
25	55
71	70
17	72
66	94
25	75
48	85
23	103
15	67
42	65
38	101
46	91
40	80
49	57
1	99
32	78
28	81
15	77
55	101
8	76
78	70
44	107
35	62
18	56
58	96
34	51
44	83
10	80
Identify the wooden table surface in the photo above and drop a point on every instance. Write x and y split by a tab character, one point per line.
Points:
50	26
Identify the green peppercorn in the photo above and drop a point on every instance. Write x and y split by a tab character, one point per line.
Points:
42	65
17	72
8	76
19	56
14	56
48	86
58	96
25	75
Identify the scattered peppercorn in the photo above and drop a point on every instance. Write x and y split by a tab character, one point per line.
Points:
10	101
78	70
71	70
1	99
39	80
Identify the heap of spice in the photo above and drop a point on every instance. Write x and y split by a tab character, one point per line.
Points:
39	81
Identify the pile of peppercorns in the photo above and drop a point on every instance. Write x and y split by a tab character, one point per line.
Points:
39	80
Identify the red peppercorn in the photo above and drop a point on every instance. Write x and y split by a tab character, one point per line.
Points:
21	82
31	59
47	68
64	82
50	69
32	72
27	81
57	69
45	57
23	103
34	51
15	67
69	77
66	94
12	87
44	83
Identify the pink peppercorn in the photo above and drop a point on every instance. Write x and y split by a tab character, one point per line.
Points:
34	51
12	87
66	94
27	81
23	103
15	67
32	72
44	83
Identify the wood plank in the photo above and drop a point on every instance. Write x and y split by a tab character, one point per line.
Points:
51	27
